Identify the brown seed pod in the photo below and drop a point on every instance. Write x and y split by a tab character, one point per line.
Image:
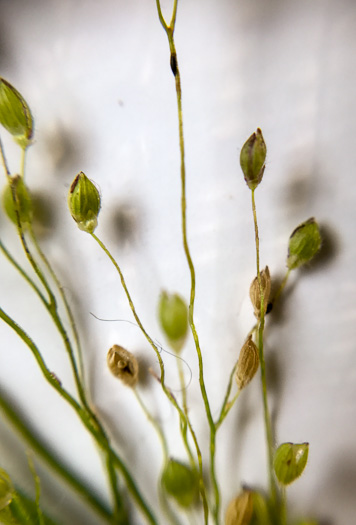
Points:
247	364
255	295
239	511
123	365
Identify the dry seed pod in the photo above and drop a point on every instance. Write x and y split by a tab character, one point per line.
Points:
247	364
239	511
123	364
255	295
252	159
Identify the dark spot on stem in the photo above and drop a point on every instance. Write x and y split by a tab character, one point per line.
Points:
174	64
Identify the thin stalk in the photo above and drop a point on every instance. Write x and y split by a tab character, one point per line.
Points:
281	287
154	423
3	159
169	29
37	481
193	434
283	509
65	302
87	419
109	463
57	466
227	405
148	338
23	273
267	417
22	162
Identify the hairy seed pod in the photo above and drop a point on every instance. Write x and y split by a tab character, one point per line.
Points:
255	295
15	115
123	365
20	207
247	364
239	511
84	203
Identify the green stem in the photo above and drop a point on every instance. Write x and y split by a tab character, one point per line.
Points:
154	423
23	274
3	159
193	434
37	481
65	302
110	467
283	511
149	339
169	29
22	163
281	288
227	405
87	419
267	418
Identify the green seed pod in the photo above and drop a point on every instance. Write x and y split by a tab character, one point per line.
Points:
252	159
123	365
15	115
180	482
289	461
304	244
173	317
6	489
255	295
261	512
240	509
84	203
20	207
247	364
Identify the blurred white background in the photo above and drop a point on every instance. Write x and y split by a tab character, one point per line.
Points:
97	78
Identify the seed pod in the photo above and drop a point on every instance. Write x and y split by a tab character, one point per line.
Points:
252	159
289	461
180	482
84	203
304	244
261	511
21	207
6	489
239	511
255	295
123	364
173	317
15	115
247	364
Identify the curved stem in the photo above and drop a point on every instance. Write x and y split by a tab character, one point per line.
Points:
65	302
149	339
175	69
